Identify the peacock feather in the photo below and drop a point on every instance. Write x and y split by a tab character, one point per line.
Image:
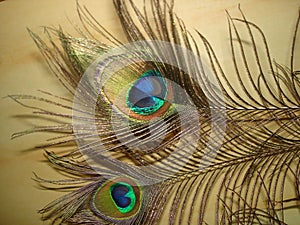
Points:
159	133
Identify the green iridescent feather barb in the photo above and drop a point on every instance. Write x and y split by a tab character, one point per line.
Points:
158	132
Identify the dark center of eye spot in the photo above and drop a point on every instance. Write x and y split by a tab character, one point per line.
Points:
147	94
145	102
118	194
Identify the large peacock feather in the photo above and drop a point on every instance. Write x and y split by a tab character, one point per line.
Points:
158	132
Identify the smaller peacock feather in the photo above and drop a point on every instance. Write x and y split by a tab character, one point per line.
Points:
117	199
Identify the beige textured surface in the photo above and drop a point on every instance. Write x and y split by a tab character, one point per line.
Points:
23	71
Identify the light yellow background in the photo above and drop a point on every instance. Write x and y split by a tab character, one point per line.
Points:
23	71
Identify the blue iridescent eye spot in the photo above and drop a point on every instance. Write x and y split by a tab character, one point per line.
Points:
117	199
123	197
148	93
119	196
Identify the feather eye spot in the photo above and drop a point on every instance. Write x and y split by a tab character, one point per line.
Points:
117	199
148	93
123	196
